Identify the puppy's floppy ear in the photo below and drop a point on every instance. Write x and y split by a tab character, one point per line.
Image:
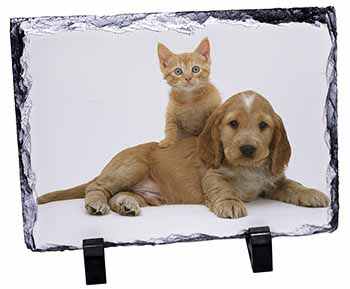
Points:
164	55
210	148
203	49
280	148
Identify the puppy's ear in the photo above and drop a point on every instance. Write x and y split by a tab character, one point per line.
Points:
280	148
210	148
164	55
203	49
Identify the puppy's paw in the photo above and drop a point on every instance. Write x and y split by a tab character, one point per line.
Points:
97	206
166	143
230	209
313	198
126	206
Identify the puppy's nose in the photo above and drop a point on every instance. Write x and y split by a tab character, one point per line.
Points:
247	150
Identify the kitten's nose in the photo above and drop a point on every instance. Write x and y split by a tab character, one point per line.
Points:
247	150
188	78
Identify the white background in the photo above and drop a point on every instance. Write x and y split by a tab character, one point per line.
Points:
315	261
95	93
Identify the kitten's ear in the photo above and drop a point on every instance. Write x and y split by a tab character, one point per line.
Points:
204	48
164	55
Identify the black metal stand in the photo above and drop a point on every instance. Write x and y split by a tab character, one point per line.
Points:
259	243
94	260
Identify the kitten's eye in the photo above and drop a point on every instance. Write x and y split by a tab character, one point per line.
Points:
263	125
195	69
234	123
178	71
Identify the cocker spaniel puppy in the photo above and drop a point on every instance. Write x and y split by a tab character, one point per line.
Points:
246	148
241	154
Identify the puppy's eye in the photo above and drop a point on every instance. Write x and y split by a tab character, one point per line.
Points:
178	71
195	69
234	123
263	125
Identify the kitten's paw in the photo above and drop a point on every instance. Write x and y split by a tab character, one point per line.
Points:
230	209
166	143
126	206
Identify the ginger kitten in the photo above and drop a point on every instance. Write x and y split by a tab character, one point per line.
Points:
192	97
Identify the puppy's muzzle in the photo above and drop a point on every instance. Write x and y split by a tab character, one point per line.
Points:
248	150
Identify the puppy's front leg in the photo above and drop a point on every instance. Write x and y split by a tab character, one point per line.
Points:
295	193
221	197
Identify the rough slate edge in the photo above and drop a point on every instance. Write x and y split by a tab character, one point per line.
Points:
311	15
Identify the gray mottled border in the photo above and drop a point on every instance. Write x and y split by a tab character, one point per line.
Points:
185	22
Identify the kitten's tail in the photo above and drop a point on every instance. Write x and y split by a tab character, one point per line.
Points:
77	192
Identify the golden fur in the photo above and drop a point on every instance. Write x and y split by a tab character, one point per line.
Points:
192	97
212	169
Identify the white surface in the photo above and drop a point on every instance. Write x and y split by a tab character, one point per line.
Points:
95	93
62	222
318	261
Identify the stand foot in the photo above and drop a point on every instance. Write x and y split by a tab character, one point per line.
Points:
259	243
94	260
